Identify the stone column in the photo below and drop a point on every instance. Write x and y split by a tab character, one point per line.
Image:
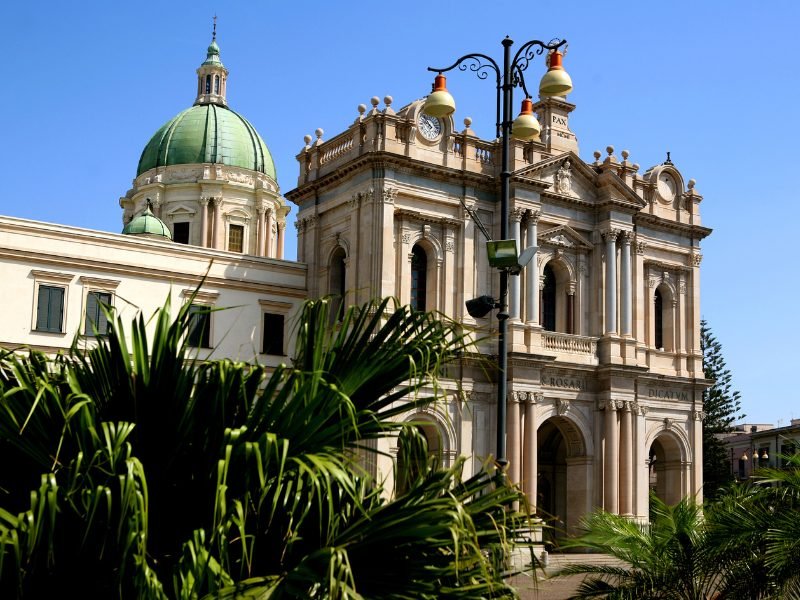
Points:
611	462
259	247
281	228
698	417
532	273
268	250
626	462
514	293
513	439
625	276
610	237
571	308
530	461
219	226
204	222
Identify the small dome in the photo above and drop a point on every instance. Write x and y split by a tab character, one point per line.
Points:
207	133
147	224
212	54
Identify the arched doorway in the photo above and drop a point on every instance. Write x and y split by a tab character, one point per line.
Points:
563	476
409	461
665	469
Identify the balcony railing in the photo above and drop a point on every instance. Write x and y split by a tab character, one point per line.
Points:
564	342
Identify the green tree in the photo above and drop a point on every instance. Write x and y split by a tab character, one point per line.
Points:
132	470
754	530
722	406
666	558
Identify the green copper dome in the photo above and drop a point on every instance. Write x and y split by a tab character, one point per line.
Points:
147	224
207	133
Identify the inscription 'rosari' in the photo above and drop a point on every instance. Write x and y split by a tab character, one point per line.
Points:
569	383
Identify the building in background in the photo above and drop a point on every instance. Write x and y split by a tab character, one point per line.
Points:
605	371
754	446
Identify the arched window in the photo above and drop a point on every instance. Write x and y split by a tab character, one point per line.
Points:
208	84
419	278
659	320
549	299
216	84
336	282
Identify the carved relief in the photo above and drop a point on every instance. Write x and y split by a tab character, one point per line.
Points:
406	238
449	246
640	247
668	423
537	397
562	406
698	415
696	259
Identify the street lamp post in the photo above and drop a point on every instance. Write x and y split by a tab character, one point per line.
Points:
440	103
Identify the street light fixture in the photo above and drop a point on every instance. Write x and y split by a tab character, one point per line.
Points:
440	103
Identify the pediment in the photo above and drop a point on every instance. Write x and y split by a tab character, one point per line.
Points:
565	175
181	209
563	236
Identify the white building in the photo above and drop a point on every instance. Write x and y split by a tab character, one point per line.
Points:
605	371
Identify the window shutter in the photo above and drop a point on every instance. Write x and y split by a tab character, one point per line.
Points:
42	306
57	312
102	320
91	314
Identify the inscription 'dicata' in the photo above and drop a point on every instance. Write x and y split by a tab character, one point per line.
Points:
667	394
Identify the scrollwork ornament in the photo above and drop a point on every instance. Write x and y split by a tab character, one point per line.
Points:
389	195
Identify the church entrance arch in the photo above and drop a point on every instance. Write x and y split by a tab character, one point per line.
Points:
665	468
563	474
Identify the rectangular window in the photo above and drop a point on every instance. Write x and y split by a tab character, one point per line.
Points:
199	326
273	334
180	233
235	238
50	309
96	321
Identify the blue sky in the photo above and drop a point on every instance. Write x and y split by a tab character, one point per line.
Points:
715	83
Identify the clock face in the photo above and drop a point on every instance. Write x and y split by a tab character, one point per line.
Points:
667	188
430	127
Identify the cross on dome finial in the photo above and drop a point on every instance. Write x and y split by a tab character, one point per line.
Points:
214	32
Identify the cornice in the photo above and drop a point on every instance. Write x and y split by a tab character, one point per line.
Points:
118	241
77	264
660	223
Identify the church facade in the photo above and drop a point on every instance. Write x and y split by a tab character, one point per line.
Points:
605	373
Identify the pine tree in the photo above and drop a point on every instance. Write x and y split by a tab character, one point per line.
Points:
722	406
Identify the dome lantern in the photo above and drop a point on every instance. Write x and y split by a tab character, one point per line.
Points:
212	76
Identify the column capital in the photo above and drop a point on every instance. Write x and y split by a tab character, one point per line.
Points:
571	287
282	225
533	216
698	415
696	259
610	235
626	237
516	214
641	245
